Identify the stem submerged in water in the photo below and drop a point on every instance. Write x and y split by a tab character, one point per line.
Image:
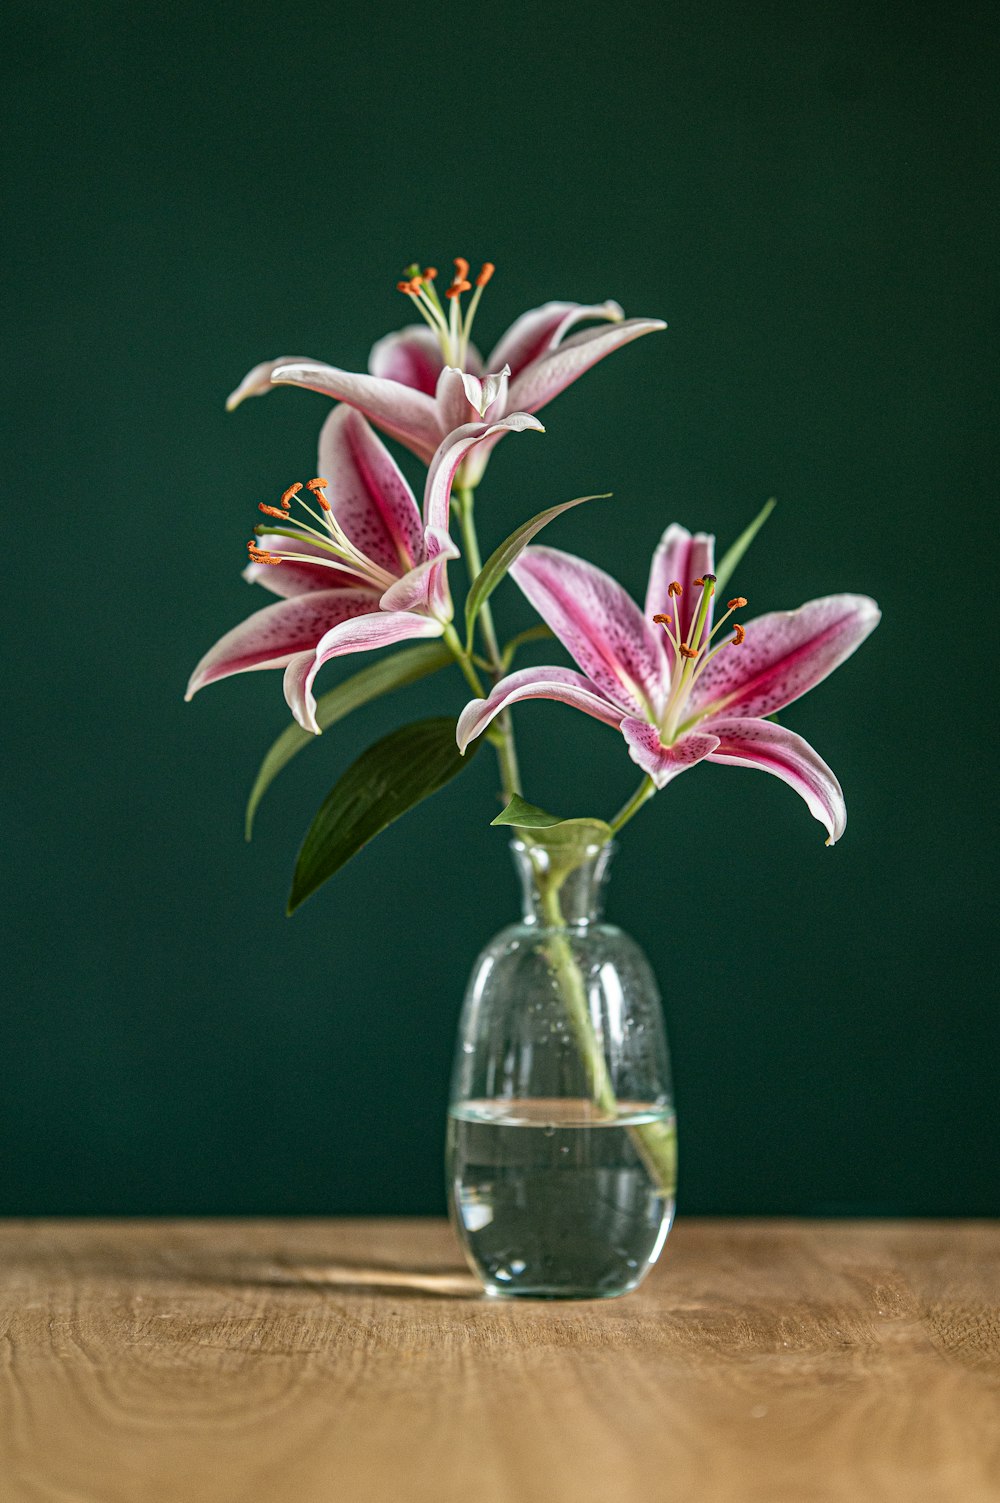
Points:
655	1142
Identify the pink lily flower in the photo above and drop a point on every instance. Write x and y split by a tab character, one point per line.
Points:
366	571
429	379
680	690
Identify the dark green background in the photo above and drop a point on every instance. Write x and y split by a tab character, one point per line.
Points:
802	193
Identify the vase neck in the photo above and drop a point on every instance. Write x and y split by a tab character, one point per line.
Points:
578	896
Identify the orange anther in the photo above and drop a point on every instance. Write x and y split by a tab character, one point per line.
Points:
737	603
485	274
688	652
324	503
664	620
457	288
271	511
293	490
740	633
261	555
319	484
404	287
430	273
675	588
461	268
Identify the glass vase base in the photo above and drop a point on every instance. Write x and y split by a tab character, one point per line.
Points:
553	1202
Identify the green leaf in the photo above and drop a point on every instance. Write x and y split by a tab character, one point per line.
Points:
393	672
527	816
388	779
501	558
725	570
557	832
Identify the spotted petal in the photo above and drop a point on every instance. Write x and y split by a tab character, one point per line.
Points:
412	356
772	748
368	493
785	654
269	638
563	684
682	558
599	625
551	373
398	410
664	762
368	632
541	329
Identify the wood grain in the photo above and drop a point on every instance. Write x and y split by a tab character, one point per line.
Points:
349	1362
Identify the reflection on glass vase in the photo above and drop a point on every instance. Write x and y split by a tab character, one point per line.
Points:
561	1134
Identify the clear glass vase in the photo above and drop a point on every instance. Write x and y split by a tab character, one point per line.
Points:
561	1132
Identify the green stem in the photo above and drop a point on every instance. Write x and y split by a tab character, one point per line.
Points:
645	790
655	1142
470	541
510	773
458	652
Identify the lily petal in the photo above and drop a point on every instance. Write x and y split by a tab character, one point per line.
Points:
772	748
398	410
368	632
683	558
547	376
563	684
257	382
541	329
599	625
664	762
425	587
452	451
288	579
269	638
784	654
368	493
452	400
411	356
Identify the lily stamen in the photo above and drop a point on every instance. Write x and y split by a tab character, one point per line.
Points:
453	331
328	535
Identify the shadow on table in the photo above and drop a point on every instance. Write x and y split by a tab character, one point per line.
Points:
147	1260
365	1275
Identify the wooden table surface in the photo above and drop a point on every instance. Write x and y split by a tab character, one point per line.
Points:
348	1361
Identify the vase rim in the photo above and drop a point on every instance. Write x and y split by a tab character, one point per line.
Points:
591	849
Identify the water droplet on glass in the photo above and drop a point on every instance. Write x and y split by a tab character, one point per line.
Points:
503	1274
549	1131
517	1265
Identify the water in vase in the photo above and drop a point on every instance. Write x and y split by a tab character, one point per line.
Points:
556	1200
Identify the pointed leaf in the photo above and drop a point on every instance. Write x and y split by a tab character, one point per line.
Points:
385	782
733	555
509	551
389	673
527	816
561	833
